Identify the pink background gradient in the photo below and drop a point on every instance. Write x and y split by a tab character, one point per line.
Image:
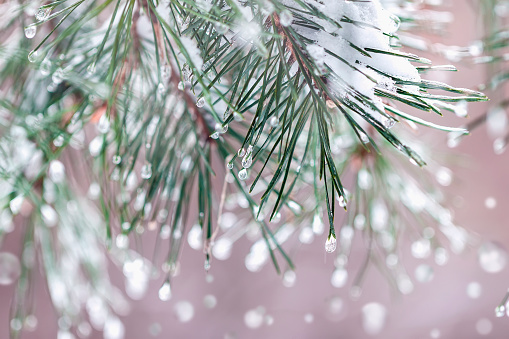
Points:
442	303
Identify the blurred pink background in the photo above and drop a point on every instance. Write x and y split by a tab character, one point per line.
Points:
441	304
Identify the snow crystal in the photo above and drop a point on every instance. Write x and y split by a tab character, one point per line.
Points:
370	28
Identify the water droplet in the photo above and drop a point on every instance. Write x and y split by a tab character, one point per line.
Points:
15	204
500	311
424	273
364	137
56	171
274	121
91	68
309	318
254	318
184	311
339	277
165	291
461	109
16	324
84	329
286	18
42	14
247	161
289	278
421	248
45	67
160	88
116	159
95	146
33	56
453	139
405	285
330	244
222	248
122	241
146	171
49	215
391	260
496	122
243	174
221	28
342	201
58	76
113	328
229	165
364	179
444	176
241	152
165	71
359	221
306	235
215	135
490	203
201	102
373	317
221	129
294	206
30	31
155	329
181	86
58	141
484	326
492	257
379	215
31	322
388	122
441	256
434	333
277	217
103	126
194	237
474	290
336	309
10	268
237	116
209	301
499	146
317	225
